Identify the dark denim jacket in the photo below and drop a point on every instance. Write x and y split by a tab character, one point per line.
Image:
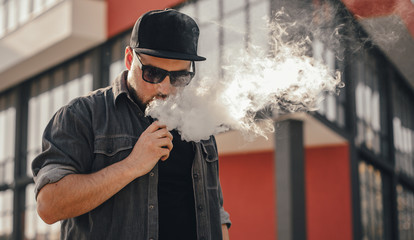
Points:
97	130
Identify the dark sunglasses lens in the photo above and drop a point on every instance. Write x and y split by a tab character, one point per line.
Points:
153	75
181	79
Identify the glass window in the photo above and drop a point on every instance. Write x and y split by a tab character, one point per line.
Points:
405	205
86	78
2	18
117	64
115	69
372	213
189	9
235	32
208	10
11	15
254	1
6	214
35	228
58	92
259	33
332	107
209	48
33	132
51	92
231	5
234	37
368	105
50	3
403	128
24	10
37	6
7	139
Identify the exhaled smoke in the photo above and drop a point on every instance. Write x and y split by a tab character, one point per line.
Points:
286	79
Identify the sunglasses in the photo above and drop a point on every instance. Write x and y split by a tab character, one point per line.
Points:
156	75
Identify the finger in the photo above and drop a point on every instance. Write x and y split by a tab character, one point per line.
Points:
165	155
154	127
163	133
165	143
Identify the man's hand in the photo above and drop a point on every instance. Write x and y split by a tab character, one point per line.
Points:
76	194
225	231
154	144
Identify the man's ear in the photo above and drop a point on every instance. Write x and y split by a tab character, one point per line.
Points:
128	57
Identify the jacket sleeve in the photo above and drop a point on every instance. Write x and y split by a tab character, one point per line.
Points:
66	146
224	216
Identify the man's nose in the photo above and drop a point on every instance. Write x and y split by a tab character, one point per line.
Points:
165	86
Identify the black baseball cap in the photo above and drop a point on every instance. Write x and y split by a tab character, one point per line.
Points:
166	34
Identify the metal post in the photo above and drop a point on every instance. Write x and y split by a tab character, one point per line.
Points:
21	103
290	180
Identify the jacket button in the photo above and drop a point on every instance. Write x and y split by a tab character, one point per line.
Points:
151	207
210	157
200	207
195	176
109	150
152	174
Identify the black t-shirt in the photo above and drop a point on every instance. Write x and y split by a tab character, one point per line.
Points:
175	190
175	193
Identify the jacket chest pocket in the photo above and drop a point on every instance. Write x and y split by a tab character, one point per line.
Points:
111	149
210	156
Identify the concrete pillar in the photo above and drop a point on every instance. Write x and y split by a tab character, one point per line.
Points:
290	180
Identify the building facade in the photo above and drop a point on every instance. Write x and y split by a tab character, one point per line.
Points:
357	150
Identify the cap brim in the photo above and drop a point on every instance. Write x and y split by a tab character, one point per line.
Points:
169	54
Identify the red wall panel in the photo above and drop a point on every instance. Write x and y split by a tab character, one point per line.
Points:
328	193
122	14
378	8
370	8
248	183
248	188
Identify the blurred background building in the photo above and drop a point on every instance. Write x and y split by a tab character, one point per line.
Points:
345	171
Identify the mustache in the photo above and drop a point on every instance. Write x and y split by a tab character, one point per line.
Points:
160	95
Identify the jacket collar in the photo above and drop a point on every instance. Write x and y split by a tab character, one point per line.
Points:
120	88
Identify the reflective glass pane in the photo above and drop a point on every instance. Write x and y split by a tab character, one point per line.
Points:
86	84
259	33
73	89
231	5
235	32
24	8
7	140
49	94
11	15
368	106
332	107
33	139
208	11
403	129
115	69
189	9
50	3
35	228
6	214
2	19
405	203
209	48
37	6
372	213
